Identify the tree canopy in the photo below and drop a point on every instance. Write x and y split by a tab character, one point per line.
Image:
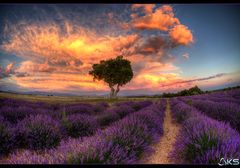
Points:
115	72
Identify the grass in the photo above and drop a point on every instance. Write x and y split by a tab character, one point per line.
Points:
68	99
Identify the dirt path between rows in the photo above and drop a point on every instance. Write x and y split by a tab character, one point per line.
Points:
163	148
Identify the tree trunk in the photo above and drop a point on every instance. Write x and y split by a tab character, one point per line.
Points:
116	91
112	92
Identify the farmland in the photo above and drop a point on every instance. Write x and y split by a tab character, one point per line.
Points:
125	131
131	83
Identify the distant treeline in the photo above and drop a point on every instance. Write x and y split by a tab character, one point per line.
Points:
186	92
194	91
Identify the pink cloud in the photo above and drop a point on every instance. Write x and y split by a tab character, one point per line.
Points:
181	35
185	56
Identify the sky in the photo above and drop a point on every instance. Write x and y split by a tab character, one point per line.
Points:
52	47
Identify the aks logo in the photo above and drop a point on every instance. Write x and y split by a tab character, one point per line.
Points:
224	162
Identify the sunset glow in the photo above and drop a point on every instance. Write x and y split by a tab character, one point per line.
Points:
54	51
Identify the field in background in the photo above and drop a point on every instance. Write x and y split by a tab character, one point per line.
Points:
68	99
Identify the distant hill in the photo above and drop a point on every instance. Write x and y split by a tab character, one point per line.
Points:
186	92
194	91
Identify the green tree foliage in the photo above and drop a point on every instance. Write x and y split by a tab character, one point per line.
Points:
186	92
115	72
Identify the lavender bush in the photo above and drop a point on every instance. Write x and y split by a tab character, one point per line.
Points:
40	131
6	137
127	139
203	140
135	105
107	117
224	111
100	107
15	114
123	110
122	142
202	136
80	108
180	110
79	125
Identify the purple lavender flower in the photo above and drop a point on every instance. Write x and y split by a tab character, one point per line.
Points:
202	137
6	137
100	107
79	125
80	108
224	111
122	142
108	117
41	131
15	114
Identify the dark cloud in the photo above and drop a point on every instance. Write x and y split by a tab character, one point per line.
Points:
197	80
21	74
152	45
11	70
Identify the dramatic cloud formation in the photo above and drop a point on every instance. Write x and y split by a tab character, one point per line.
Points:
57	56
160	19
46	46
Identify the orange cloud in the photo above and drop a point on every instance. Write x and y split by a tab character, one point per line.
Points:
181	35
151	81
29	66
158	68
50	53
162	19
46	44
60	61
148	8
60	82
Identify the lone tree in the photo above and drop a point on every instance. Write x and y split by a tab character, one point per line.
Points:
115	72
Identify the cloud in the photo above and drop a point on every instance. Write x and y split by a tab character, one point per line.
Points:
151	45
181	35
173	33
6	72
196	80
31	67
60	82
186	56
58	55
147	8
46	46
10	70
161	19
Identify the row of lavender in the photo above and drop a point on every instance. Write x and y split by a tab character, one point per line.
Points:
232	96
202	140
40	126
122	142
222	106
15	110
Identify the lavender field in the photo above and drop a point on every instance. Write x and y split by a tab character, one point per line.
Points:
120	83
121	132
